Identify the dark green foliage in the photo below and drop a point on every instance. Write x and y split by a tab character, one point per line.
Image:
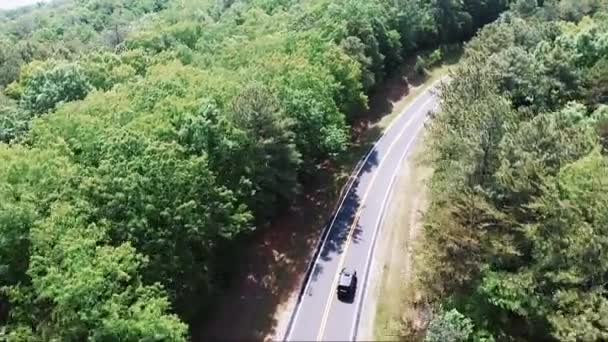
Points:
597	83
270	156
515	235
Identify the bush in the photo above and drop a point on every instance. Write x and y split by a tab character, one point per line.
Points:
420	66
435	57
450	326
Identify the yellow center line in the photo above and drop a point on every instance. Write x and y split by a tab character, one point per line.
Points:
355	221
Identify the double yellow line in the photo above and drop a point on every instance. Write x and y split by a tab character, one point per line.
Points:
356	220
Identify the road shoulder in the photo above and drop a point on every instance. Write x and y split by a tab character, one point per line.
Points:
391	297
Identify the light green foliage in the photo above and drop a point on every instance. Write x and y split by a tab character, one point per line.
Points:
575	10
449	326
599	119
589	38
539	148
65	29
167	204
435	57
92	291
481	119
104	70
31	180
575	212
515	238
542	77
308	95
163	199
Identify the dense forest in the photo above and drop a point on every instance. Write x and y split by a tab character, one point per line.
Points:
143	140
516	239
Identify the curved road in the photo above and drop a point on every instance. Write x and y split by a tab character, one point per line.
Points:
319	315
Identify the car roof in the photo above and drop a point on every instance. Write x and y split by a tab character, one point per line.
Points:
345	278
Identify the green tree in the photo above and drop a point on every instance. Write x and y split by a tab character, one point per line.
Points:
14	122
169	206
83	289
597	84
42	86
270	147
31	180
514	236
525	8
574	211
104	70
538	149
449	326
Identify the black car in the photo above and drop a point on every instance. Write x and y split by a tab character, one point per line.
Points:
347	285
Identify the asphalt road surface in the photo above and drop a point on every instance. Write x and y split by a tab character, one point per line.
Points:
320	315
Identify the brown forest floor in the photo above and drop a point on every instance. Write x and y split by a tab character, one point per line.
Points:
263	291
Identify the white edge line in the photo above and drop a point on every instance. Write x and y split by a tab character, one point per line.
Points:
355	173
377	227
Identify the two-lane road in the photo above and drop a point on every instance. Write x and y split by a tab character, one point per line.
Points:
350	241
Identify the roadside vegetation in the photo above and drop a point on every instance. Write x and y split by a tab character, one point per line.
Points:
515	240
144	140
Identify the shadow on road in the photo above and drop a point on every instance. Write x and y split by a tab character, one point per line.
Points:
345	218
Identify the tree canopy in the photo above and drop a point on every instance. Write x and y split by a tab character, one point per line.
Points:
515	237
